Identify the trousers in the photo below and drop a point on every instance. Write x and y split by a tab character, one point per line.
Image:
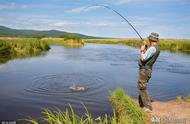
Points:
144	98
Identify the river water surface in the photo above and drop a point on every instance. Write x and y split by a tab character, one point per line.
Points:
27	86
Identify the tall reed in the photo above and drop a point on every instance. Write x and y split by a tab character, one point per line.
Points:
173	45
125	111
11	48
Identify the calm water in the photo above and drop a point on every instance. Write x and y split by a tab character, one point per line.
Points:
27	86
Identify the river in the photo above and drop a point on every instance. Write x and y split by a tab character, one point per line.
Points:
27	86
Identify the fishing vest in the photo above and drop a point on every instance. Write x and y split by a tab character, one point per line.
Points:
148	64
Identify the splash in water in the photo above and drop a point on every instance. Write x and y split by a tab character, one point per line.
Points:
76	88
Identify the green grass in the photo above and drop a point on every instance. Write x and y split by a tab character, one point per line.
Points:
173	45
187	97
70	117
125	111
182	46
34	45
69	43
11	48
71	37
180	98
22	45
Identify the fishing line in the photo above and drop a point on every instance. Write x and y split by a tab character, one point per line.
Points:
113	10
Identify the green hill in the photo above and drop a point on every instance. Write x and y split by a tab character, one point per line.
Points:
9	32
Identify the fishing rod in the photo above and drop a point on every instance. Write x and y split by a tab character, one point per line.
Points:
108	7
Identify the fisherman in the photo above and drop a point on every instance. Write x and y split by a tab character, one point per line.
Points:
147	59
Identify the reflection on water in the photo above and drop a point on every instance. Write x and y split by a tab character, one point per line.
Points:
30	85
5	58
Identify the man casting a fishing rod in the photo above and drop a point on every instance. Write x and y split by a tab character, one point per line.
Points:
147	59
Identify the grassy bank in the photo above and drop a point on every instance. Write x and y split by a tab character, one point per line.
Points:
180	98
181	46
22	45
126	111
11	48
66	42
173	45
70	117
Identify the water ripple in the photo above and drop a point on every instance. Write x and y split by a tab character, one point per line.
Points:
56	87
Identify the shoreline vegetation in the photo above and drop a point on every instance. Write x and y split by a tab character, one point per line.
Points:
12	48
172	45
125	111
15	47
68	43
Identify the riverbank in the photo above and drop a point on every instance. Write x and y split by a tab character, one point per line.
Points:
173	111
172	45
126	111
22	45
11	48
66	42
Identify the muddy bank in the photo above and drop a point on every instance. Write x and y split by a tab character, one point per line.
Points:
175	111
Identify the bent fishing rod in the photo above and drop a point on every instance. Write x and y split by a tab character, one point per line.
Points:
108	7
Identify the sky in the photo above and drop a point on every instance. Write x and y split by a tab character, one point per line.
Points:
169	18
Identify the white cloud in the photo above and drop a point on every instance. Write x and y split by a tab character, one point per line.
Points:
7	6
59	23
46	23
12	6
121	2
82	9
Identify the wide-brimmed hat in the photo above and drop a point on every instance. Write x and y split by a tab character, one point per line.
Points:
154	37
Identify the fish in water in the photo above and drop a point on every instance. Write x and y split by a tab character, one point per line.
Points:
75	88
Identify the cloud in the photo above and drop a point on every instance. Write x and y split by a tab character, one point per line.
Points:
59	23
12	5
87	24
82	9
41	22
122	2
7	6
